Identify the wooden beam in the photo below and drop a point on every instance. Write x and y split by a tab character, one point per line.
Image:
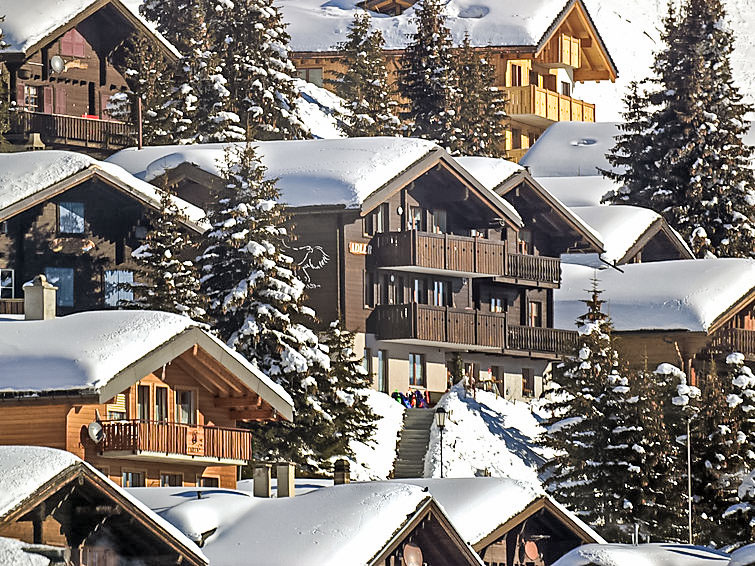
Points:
262	414
252	400
197	373
219	371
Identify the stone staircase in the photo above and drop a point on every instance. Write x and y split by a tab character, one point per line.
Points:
412	447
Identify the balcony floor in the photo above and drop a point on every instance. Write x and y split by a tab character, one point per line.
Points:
161	457
472	348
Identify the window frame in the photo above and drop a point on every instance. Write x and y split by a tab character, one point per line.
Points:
140	388
194	417
61	298
535	314
171	475
376	222
114	297
4	273
157	396
417	370
382	373
133	472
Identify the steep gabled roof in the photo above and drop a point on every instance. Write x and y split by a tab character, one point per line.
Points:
112	351
29	178
28	26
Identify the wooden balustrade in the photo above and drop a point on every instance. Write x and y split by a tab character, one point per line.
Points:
536	101
534	268
177	439
728	340
535	339
71	130
11	306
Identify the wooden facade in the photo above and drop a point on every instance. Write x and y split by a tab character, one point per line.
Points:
537	80
68	108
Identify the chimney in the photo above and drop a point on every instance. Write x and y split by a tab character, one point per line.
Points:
286	473
341	472
262	480
39	299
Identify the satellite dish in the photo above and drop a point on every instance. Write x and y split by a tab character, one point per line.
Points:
57	64
95	432
412	555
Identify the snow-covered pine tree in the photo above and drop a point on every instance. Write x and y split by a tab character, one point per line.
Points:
347	402
4	104
251	41
481	107
701	180
427	77
586	399
364	85
167	281
739	518
255	305
148	76
175	20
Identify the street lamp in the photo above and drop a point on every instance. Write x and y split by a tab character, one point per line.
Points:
440	422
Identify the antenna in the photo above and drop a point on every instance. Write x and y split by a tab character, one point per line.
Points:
57	64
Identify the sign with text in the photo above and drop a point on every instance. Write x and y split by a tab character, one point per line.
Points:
195	441
360	248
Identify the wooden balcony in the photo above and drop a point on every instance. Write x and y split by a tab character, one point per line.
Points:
728	340
11	306
475	330
562	51
466	256
540	107
163	441
59	130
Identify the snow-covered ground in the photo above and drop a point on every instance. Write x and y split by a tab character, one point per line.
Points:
486	435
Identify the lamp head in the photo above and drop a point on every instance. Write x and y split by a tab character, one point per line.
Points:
440	417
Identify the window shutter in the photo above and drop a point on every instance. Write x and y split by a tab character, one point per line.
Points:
47	99
78	43
66	44
20	94
104	98
72	44
60	100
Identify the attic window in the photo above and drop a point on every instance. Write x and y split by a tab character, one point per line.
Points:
72	44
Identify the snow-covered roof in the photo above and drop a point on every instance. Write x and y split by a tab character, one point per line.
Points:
103	359
27	23
578	191
24	175
344	524
652	554
318	25
571	149
744	556
343	172
662	295
20	553
25	469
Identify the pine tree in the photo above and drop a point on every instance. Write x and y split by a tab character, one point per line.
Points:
175	20
481	106
167	282
255	305
253	47
364	85
4	104
347	403
587	399
148	76
699	178
427	77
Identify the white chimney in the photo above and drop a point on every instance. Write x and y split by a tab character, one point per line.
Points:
39	299
262	480
285	474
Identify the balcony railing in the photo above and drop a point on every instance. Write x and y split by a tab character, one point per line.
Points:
200	442
468	327
58	129
11	306
461	253
728	340
542	104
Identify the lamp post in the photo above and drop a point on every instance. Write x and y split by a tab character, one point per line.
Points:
440	421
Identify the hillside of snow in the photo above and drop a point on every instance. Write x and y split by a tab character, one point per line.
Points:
485	435
631	32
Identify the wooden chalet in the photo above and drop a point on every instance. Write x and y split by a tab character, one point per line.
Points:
76	220
684	312
540	52
69	513
148	398
63	65
415	255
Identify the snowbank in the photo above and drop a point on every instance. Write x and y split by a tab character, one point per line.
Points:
662	295
489	435
655	554
744	556
19	553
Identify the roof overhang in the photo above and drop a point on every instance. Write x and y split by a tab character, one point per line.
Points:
731	312
91	172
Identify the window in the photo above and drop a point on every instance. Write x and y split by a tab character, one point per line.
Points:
417	370
565	88
171	480
31	98
209	482
496	304
419	291
382	374
142	402
417	218
71	217
438	221
312	75
376	222
186	407
62	278
516	138
524	241
117	287
440	293
367	361
72	43
528	381
132	479
391	289
7	287
536	314
161	404
516	75
370	284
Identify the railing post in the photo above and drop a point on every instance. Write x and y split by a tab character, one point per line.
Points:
445	325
